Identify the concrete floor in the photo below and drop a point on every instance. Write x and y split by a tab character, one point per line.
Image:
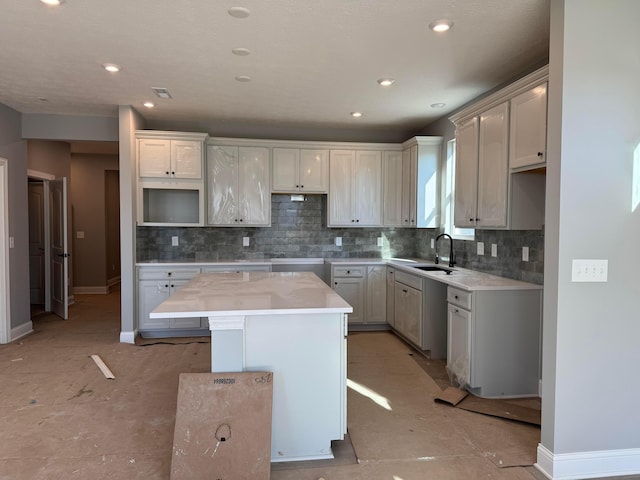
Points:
62	419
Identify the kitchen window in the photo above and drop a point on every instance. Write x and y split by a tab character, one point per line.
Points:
449	192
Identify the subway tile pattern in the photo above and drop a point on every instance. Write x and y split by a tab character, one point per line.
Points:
299	229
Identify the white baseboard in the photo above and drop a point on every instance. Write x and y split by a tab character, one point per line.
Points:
97	290
113	281
128	337
580	465
21	330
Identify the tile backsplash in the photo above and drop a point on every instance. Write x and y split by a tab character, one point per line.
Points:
298	229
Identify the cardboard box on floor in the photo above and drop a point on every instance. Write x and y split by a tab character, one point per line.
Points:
223	426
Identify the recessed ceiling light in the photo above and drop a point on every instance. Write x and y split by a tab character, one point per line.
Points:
54	3
149	104
356	114
385	82
438	105
243	78
239	12
241	52
161	92
111	67
441	25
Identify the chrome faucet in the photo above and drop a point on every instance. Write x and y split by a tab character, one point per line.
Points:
452	260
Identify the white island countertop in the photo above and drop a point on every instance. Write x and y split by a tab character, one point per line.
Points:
252	293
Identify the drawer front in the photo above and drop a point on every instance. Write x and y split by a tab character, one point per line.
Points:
459	298
408	279
352	272
167	273
235	268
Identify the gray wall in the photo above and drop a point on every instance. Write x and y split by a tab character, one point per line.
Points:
88	197
15	151
69	127
591	330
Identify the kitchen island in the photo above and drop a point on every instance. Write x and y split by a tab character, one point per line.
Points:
291	324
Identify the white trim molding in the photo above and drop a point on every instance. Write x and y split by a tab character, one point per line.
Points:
97	290
128	337
580	465
21	330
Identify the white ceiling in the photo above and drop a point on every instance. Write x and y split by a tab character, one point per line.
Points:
312	62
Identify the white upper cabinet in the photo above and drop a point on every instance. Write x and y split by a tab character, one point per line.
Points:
170	178
482	169
239	192
528	128
411	184
300	170
355	194
392	163
166	158
466	181
493	167
500	158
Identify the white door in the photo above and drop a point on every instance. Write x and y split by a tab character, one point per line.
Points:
341	191
36	243
59	249
254	186
5	317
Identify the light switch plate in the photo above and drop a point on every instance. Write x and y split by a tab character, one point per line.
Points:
525	254
338	241
174	241
589	270
79	234
245	241
379	241
433	243
480	248
494	250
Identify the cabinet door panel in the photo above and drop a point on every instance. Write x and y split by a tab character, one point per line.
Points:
528	128
285	169
409	196
254	190
459	343
314	171
493	167
393	192
391	281
186	159
466	181
154	158
340	187
368	189
151	294
408	312
222	175
376	311
352	291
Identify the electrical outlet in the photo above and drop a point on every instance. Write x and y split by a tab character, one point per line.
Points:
433	243
589	270
245	241
525	254
494	250
174	241
379	241
12	242
338	241
480	248
79	234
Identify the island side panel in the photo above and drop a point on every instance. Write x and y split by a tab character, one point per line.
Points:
307	355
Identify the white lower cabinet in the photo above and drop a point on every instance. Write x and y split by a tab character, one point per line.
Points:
155	285
364	287
494	341
349	283
408	312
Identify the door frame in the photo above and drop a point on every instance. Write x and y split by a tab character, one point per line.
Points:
45	178
5	312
